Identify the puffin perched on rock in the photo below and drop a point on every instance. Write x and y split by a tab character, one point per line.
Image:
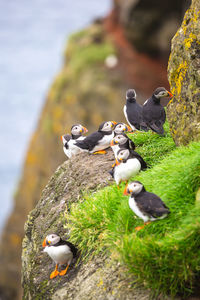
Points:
62	252
99	140
145	205
121	141
68	140
129	163
153	113
133	111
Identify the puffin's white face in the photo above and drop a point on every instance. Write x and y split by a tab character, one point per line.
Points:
123	154
78	129
121	127
108	126
52	239
162	92
119	139
134	188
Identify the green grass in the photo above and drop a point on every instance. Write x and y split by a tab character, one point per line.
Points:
165	255
87	53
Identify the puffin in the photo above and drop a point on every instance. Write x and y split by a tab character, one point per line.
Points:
68	140
153	113
129	163
121	141
97	141
147	206
133	111
121	127
62	252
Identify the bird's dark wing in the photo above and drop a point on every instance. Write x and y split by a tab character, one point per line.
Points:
111	172
90	141
131	144
151	204
141	160
70	245
163	115
134	113
157	127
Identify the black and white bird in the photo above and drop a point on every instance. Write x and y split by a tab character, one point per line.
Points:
62	252
147	206
153	113
121	128
121	141
133	111
129	163
99	140
68	140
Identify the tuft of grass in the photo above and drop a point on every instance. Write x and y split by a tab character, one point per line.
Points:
165	255
153	147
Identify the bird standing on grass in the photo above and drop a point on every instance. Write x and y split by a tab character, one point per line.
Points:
99	140
133	111
62	252
68	140
145	205
153	113
129	163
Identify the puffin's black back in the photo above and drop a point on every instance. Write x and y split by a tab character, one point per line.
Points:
154	115
151	204
134	113
134	154
90	141
70	245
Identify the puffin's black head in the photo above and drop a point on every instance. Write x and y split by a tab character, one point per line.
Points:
131	94
161	92
134	188
51	240
107	126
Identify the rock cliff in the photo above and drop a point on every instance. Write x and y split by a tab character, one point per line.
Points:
184	77
97	278
84	83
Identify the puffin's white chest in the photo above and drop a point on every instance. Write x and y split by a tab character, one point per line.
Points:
115	149
103	143
126	116
60	254
136	210
72	148
124	171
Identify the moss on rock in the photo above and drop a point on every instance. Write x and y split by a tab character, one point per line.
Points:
184	76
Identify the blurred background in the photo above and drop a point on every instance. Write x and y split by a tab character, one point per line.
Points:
37	106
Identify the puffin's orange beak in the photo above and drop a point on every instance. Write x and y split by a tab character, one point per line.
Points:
85	129
44	244
112	143
126	191
114	123
129	129
61	138
170	94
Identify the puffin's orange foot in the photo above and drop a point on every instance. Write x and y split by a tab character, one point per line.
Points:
54	274
141	227
100	152
63	272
